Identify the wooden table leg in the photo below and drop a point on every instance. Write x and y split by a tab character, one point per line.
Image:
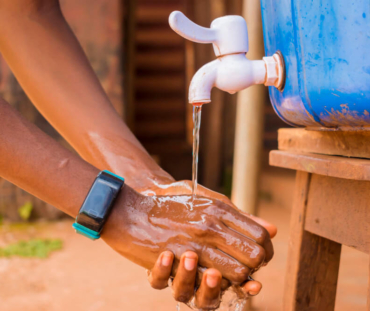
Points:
368	291
313	261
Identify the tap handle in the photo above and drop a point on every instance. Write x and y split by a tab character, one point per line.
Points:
189	30
229	34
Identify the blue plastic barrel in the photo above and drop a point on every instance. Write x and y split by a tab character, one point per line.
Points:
326	48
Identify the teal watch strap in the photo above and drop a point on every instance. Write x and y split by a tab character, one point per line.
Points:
98	204
91	234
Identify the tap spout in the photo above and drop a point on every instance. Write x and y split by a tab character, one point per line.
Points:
233	73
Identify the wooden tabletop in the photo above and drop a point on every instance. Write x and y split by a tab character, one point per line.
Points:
329	153
334	166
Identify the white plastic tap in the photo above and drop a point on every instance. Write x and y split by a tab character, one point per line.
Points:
231	71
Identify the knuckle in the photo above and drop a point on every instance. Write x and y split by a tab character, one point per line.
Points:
258	257
263	237
209	227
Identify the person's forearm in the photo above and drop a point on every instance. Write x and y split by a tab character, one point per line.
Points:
36	163
51	67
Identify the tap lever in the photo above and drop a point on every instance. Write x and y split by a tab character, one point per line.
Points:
189	30
229	34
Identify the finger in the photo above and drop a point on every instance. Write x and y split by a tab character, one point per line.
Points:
229	267
184	281
208	294
249	228
272	230
241	248
243	224
225	284
158	277
252	288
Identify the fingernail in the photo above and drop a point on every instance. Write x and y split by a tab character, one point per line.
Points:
253	293
166	260
189	263
212	281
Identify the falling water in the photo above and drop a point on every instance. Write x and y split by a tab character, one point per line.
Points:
197	112
231	300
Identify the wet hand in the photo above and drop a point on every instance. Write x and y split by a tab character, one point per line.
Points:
185	187
141	228
209	282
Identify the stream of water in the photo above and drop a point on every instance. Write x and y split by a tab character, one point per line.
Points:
197	113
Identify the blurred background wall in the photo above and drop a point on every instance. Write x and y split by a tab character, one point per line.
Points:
146	68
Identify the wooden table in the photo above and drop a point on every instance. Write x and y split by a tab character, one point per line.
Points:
331	207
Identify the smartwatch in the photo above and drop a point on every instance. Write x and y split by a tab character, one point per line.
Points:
98	204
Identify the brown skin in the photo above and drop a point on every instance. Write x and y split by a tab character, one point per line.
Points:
50	65
221	237
141	228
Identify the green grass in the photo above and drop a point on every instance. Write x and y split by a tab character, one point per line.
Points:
38	248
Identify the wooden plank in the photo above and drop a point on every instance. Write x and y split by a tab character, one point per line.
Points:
165	37
152	106
368	291
166	128
161	60
295	239
313	261
338	209
155	12
165	83
348	168
350	144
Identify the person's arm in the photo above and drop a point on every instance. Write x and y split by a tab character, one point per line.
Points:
36	163
141	228
51	67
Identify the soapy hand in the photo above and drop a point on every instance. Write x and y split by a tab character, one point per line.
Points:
209	234
162	186
168	187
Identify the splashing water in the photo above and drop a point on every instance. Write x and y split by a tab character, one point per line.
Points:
197	113
231	300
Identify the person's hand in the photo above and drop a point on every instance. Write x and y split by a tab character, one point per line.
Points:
163	186
168	187
144	228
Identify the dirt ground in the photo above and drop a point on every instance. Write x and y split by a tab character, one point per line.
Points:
89	276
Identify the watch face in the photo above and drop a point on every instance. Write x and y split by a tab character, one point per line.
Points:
99	201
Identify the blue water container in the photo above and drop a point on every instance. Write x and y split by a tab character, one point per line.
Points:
326	48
